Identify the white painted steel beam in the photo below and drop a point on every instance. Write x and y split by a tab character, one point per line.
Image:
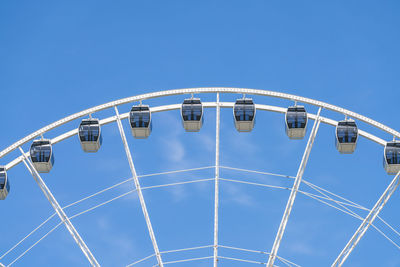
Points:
362	229
139	189
60	212
216	193
111	119
197	91
293	192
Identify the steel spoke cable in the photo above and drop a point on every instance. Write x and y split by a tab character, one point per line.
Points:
141	260
284	262
252	183
291	177
244	249
278	187
88	197
287	261
353	204
242	260
67	206
176	171
337	202
316	197
258	252
31	233
336	195
106	202
245	182
186	260
360	218
258	172
134	190
170	251
37	242
185	249
359	206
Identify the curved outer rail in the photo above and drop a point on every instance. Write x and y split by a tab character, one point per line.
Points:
198	91
111	119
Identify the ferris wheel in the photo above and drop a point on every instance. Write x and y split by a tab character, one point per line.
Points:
40	158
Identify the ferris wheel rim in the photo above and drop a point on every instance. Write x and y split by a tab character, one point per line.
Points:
197	90
217	105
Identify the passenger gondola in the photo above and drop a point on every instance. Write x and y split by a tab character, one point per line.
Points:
346	136
244	113
391	158
4	183
296	122
192	114
140	121
41	153
90	135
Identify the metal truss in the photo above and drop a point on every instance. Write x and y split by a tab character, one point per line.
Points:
112	119
216	194
139	190
318	119
293	193
198	91
374	212
60	212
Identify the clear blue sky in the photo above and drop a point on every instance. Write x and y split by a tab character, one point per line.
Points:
57	58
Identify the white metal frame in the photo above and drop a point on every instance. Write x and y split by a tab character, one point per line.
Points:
139	190
216	194
112	119
374	212
293	192
217	105
60	212
108	105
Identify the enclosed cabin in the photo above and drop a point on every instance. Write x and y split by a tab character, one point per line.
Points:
192	114
4	183
90	135
391	158
296	122
244	113
140	121
346	136
41	153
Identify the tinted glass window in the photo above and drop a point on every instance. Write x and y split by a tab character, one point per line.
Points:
346	134
244	112
139	119
392	155
89	133
40	153
2	182
191	112
296	119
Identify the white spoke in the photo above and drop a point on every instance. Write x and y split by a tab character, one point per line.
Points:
60	212
186	249
242	260
293	193
139	190
216	194
139	261
367	221
187	260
